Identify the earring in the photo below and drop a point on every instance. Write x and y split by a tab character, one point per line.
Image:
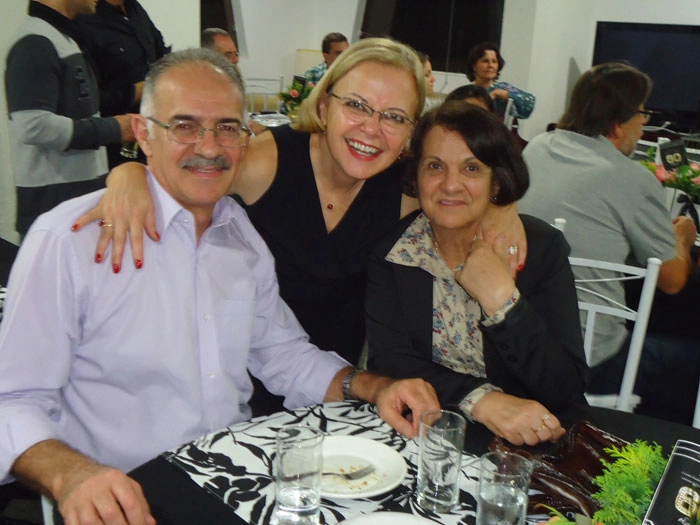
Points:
494	199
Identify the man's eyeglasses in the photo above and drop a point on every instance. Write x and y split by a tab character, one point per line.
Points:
389	121
647	113
226	134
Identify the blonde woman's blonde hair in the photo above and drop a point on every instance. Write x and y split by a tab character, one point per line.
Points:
382	50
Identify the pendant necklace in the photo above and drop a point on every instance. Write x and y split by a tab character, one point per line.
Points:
457	268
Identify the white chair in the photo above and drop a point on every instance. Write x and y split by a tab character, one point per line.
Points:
696	418
624	400
47	510
262	94
507	117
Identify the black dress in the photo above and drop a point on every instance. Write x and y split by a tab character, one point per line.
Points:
322	275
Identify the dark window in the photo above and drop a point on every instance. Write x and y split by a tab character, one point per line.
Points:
217	13
444	29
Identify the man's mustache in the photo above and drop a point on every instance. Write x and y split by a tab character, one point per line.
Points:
220	163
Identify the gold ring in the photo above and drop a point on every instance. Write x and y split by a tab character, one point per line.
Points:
104	224
513	249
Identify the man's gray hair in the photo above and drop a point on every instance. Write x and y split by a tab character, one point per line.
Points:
209	35
180	58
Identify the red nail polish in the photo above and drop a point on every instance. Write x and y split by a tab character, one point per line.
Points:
98	258
138	263
101	223
74	228
157	236
116	268
520	267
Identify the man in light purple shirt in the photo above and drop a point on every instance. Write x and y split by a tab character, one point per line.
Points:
99	373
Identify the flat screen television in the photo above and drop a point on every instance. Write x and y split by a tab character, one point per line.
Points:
668	54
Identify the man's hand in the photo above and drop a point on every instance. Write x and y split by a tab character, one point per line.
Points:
95	494
87	493
399	396
125	126
684	227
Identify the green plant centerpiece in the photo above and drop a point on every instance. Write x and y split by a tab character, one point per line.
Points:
296	94
627	484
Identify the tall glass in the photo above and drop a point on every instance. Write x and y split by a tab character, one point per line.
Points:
299	463
440	459
130	149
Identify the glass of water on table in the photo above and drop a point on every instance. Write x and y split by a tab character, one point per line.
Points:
503	486
298	467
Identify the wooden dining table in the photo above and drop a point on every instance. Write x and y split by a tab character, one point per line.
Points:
226	477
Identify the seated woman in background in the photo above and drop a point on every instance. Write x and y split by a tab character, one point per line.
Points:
441	303
484	65
472	94
432	99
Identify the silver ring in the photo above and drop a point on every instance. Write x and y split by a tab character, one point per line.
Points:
513	249
546	417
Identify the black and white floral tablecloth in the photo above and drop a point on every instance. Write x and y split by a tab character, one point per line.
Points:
236	464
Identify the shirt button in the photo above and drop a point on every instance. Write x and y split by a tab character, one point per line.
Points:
207	317
212	375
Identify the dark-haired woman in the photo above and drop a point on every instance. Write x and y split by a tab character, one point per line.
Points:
441	303
472	94
484	65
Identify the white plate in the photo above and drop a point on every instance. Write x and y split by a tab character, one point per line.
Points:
388	518
348	453
271	120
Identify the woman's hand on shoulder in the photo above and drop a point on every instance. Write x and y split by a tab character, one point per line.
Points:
126	207
504	220
520	421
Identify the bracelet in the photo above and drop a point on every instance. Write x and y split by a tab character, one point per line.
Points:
347	380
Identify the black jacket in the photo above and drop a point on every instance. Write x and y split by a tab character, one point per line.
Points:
122	50
535	353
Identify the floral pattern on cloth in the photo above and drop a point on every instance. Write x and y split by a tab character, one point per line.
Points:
457	338
523	102
236	465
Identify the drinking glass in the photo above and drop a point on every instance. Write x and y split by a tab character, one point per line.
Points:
130	149
299	463
440	459
503	487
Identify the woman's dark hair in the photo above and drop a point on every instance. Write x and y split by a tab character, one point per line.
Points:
487	138
605	95
478	51
471	91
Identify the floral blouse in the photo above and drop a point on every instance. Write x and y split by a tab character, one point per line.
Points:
523	102
457	339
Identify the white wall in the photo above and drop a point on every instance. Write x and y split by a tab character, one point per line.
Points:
11	15
549	43
270	31
177	21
